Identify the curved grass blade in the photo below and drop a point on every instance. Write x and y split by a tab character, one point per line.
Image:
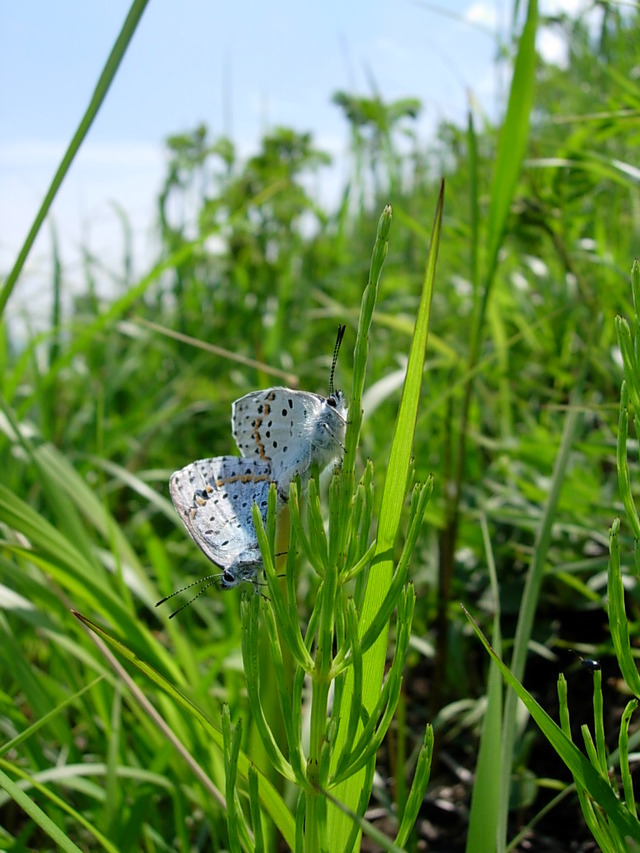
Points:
582	771
36	814
102	87
269	797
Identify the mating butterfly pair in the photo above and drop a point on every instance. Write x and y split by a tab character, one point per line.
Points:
282	434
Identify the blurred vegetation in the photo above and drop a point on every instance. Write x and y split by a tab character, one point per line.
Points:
96	411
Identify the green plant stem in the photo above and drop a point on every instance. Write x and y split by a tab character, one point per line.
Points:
623	742
316	768
361	353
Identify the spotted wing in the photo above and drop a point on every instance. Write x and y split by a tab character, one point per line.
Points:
293	430
214	498
273	426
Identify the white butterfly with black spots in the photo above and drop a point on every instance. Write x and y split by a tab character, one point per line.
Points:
291	430
214	498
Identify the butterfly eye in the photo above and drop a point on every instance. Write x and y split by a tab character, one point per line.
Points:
331	401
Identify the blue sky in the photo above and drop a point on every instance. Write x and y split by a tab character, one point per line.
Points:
239	67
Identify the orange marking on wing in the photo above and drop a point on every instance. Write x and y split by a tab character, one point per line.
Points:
256	435
243	478
202	501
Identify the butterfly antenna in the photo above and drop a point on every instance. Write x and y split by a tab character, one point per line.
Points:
212	578
334	360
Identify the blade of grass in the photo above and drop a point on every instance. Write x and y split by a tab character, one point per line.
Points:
36	814
529	602
618	621
511	149
582	771
14	742
104	82
270	798
393	498
483	818
512	146
290	379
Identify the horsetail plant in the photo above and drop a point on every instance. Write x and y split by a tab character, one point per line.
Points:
340	648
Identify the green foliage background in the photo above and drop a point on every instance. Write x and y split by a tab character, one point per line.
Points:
97	410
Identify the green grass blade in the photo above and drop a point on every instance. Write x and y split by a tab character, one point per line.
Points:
622	461
395	485
484	816
44	784
512	146
393	498
618	622
530	598
14	742
418	789
623	745
270	798
360	355
583	773
99	94
36	814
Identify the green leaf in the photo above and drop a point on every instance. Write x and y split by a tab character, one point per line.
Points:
486	807
36	814
618	622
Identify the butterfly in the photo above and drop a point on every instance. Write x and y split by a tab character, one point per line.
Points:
291	430
214	499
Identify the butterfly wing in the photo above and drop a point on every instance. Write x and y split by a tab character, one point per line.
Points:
271	425
292	430
214	498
